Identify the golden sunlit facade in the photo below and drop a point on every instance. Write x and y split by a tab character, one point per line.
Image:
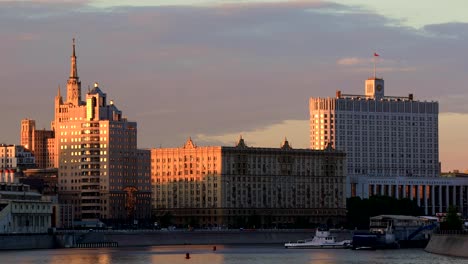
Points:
245	186
39	142
97	156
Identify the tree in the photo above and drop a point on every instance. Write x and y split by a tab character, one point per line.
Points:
452	220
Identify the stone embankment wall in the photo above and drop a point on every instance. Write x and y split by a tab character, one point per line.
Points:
214	237
33	241
132	238
451	245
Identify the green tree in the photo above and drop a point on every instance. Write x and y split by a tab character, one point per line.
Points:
452	220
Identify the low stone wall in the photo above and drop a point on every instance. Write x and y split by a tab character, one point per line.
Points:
133	238
451	245
33	241
213	237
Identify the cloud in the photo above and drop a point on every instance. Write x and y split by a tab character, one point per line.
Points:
352	61
212	70
296	131
448	30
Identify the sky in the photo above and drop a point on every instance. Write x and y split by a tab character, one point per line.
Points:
216	69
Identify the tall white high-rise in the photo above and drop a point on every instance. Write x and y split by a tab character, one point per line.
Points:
381	135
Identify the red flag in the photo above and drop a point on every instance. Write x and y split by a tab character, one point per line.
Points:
376	55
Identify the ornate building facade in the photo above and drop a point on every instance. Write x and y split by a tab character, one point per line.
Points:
248	186
97	156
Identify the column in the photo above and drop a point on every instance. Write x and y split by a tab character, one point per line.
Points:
426	211
454	195
418	198
460	202
440	198
447	200
432	199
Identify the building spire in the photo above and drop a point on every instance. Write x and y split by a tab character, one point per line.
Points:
58	98
73	83
73	68
73	48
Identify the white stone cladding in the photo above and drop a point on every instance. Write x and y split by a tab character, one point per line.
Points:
390	136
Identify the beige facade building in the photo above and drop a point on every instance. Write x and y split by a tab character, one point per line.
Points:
97	156
247	186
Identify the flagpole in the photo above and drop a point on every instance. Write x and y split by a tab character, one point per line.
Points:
373	57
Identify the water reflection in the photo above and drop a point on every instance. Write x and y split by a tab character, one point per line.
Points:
255	254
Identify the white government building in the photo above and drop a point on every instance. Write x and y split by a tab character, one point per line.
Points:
381	135
391	145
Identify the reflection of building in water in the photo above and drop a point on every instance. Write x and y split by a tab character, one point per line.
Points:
247	186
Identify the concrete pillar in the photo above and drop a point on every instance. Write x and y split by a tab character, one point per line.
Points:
374	189
454	195
397	195
440	198
426	211
447	194
418	198
411	192
462	206
432	199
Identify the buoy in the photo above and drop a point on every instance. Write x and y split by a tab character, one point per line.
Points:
187	255
214	248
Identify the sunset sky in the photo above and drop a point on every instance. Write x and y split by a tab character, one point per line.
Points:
215	69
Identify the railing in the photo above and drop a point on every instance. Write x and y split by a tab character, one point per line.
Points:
97	245
452	232
90	229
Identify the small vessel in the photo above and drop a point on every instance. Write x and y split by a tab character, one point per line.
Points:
322	239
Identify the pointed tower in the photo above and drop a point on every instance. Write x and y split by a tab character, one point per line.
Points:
73	83
189	144
58	97
285	144
241	143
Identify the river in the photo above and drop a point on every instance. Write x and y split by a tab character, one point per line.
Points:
271	254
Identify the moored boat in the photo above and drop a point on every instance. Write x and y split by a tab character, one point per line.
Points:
322	239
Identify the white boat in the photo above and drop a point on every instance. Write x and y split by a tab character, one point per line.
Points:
322	239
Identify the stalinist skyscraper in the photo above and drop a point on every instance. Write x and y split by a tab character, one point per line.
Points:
101	171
